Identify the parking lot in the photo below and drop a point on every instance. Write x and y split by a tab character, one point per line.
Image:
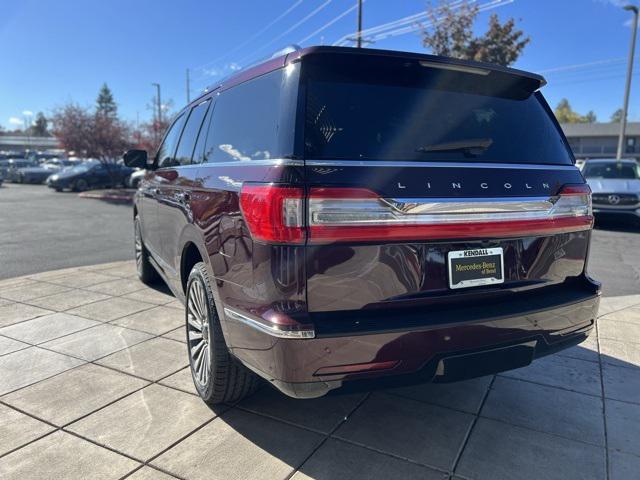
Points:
94	383
41	230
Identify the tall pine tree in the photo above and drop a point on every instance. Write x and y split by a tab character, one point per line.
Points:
105	104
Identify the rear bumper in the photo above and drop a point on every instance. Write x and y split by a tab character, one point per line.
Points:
446	344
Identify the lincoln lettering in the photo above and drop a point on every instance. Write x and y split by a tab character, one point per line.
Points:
484	185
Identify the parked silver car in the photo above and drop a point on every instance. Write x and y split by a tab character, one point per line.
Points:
615	186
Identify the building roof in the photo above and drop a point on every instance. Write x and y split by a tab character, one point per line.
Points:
599	129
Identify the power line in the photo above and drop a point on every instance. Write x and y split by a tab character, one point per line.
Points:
329	23
580	66
254	36
395	23
289	30
412	28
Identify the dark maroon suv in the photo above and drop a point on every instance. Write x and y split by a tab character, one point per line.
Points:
339	217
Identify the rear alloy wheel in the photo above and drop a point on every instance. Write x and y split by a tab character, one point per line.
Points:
146	272
217	375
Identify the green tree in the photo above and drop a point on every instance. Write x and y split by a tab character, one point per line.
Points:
565	114
40	127
105	104
450	33
616	117
590	117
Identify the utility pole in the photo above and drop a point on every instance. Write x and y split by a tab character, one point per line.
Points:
158	101
188	88
158	121
625	107
359	39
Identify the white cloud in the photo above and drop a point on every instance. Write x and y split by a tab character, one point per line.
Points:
27	113
223	70
615	3
629	23
15	121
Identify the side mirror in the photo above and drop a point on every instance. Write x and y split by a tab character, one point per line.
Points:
136	158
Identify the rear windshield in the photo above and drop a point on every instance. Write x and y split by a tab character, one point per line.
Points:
378	116
611	170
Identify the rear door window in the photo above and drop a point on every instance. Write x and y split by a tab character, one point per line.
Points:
167	151
189	136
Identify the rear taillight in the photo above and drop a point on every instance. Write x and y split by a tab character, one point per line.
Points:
277	214
274	214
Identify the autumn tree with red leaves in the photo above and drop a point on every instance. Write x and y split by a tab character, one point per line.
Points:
97	134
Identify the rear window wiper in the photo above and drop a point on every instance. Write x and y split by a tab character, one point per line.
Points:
472	146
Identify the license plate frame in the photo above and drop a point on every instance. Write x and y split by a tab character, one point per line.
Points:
475	267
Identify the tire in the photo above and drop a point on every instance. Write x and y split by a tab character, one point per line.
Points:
146	272
81	185
58	189
217	376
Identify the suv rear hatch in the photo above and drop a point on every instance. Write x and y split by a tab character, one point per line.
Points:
432	183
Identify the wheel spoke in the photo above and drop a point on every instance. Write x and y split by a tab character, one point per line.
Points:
196	352
193	318
195	335
196	302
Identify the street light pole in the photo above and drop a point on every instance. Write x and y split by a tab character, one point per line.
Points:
158	121
359	39
157	85
625	107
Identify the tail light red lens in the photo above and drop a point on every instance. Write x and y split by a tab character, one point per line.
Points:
279	214
274	214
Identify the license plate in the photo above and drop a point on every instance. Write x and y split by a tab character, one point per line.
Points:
471	268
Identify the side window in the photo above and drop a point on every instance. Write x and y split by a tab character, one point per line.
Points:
198	152
245	121
166	153
190	134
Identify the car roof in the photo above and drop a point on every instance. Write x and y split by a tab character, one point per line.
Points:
294	54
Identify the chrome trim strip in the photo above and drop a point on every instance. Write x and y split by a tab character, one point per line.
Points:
265	328
416	206
422	164
272	162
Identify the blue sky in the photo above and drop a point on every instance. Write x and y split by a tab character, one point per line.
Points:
59	51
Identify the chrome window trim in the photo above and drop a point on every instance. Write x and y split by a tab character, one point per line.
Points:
261	326
272	162
424	164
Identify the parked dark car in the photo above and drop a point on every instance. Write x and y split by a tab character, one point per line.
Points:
14	166
40	173
88	175
352	218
